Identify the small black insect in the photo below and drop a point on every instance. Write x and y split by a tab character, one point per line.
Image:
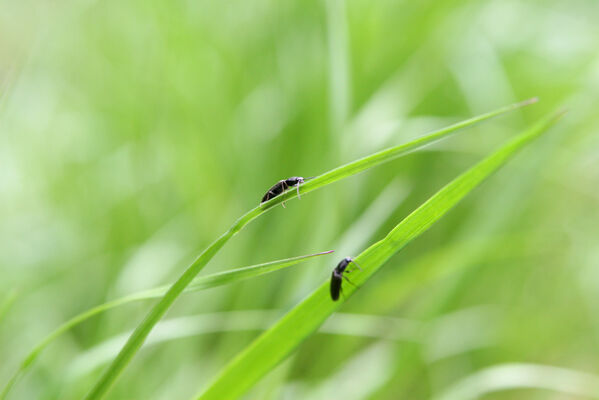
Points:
281	186
337	276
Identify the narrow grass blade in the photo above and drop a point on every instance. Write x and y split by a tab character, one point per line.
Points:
8	301
357	325
361	325
144	328
390	154
275	344
524	376
199	283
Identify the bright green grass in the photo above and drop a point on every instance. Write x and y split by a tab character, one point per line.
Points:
303	320
199	283
143	329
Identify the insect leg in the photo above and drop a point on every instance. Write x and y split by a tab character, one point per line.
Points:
285	187
357	265
348	281
298	195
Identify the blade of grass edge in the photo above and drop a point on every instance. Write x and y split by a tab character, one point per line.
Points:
274	345
199	283
160	308
8	301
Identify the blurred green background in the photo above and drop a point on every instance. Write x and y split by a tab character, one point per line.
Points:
132	134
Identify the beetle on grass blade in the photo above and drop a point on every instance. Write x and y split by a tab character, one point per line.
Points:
282	186
337	276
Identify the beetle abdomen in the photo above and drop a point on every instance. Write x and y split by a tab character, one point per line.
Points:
335	286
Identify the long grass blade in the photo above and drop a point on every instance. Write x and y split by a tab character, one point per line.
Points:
275	344
419	273
8	301
199	283
524	376
357	325
143	329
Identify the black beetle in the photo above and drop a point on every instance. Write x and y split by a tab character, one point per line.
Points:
281	186
337	276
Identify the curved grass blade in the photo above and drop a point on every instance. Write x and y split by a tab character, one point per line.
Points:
344	324
391	153
523	376
275	344
160	308
199	283
419	273
8	301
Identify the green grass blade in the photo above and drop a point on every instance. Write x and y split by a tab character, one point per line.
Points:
390	154
511	376
8	301
144	328
357	325
199	283
275	344
415	274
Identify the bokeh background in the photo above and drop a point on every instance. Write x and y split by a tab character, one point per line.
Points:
132	134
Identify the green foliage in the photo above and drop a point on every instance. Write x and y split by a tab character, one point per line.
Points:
133	133
199	283
303	320
141	332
